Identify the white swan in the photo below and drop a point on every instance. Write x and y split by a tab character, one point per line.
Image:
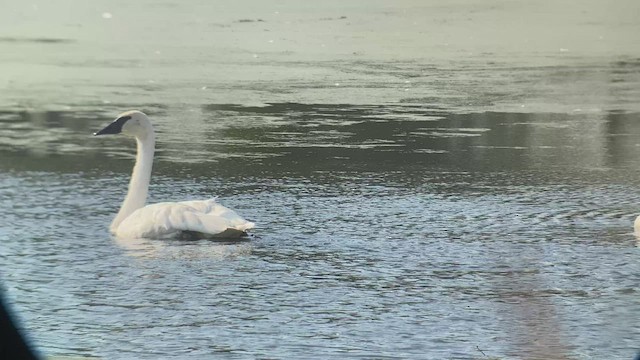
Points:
199	218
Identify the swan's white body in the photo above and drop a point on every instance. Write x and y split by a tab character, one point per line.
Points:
199	218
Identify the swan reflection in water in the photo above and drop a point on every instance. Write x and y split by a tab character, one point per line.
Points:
178	249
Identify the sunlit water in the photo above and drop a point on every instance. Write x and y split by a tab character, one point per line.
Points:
405	208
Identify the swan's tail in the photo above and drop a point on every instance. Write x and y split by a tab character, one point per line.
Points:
218	221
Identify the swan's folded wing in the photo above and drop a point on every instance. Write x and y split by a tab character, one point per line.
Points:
207	207
168	219
208	218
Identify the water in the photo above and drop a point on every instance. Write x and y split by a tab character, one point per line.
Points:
448	189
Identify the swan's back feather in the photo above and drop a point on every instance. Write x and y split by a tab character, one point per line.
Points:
171	219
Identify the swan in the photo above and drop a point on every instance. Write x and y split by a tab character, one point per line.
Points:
190	219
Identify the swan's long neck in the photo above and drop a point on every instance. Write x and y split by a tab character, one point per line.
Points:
139	184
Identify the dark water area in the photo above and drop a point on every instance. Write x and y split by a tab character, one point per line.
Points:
425	183
410	230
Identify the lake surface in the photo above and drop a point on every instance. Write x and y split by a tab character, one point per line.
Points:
428	181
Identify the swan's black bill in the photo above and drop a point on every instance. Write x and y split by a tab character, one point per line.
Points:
113	128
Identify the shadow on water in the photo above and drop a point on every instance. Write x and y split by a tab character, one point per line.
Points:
343	137
37	40
304	138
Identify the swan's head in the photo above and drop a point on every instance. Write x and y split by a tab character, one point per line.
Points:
132	123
